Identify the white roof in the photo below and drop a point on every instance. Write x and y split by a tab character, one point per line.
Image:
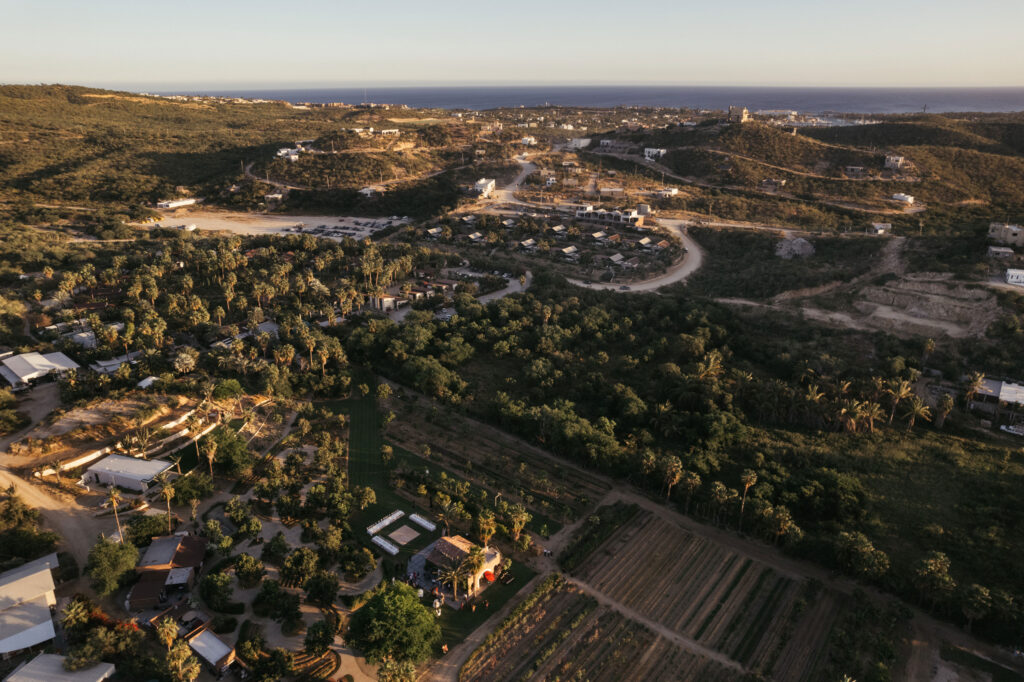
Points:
26	624
147	382
210	647
50	667
27	581
139	469
29	366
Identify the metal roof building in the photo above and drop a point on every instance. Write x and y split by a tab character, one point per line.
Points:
26	597
129	473
50	668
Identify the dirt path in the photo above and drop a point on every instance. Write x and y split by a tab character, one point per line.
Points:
659	629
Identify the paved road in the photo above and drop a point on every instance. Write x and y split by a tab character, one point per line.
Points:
689	264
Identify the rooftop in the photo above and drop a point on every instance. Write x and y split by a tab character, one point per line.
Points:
27	581
174	551
210	647
29	366
50	668
142	469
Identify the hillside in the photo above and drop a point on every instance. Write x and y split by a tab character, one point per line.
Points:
64	143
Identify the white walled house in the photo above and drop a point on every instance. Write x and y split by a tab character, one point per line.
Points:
129	473
652	153
1015	276
484	187
50	668
904	198
1005	233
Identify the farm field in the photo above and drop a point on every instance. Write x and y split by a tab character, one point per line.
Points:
496	461
768	623
561	634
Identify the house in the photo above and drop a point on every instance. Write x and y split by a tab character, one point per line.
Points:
484	187
668	192
476	237
50	668
894	162
662	245
905	198
607	143
170	563
22	370
994	393
528	141
611	190
27	603
739	114
175	203
551	181
386	302
274	197
570	252
646	243
130	473
558	230
212	650
879	228
616	259
1005	233
855	171
652	153
1000	252
578	143
371	191
616	217
389	132
452	550
599	235
643	209
435	232
528	244
113	364
1015	276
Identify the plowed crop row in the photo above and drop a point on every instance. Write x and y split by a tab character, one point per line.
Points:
709	593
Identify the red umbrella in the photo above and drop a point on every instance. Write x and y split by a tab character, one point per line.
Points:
489	577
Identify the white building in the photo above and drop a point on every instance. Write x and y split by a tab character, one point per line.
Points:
551	181
668	192
50	668
652	153
1005	233
484	187
21	370
212	650
26	605
894	162
905	198
528	141
578	143
129	473
1015	276
175	203
879	228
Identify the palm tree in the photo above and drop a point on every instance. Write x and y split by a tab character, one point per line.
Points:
917	410
691	482
167	490
116	498
452	574
945	407
898	390
472	565
166	632
872	413
518	518
75	613
486	526
210	452
673	473
445	514
975	382
747	478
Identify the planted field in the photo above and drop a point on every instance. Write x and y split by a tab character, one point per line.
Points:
561	634
713	595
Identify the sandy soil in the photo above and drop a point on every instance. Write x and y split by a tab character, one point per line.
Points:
265	223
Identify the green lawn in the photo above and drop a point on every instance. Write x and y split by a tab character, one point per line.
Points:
457	625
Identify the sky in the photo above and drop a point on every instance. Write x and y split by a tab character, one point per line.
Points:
144	44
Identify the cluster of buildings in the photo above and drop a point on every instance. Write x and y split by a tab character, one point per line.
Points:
1008	236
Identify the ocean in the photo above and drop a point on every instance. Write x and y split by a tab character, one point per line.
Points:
804	100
